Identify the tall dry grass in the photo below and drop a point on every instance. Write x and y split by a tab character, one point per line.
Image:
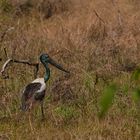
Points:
98	41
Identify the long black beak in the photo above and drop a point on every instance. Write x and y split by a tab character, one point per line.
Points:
51	61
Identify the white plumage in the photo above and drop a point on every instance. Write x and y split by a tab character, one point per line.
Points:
42	82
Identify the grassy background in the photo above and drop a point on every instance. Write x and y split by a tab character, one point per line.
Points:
98	41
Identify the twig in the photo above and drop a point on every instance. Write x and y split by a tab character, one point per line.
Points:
5	65
99	16
36	70
120	20
24	62
4	33
102	22
5	53
36	65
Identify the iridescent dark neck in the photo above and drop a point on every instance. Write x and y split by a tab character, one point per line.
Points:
47	74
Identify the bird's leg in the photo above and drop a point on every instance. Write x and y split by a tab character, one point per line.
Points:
42	111
30	123
30	120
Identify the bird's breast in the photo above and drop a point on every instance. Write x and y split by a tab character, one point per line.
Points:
42	82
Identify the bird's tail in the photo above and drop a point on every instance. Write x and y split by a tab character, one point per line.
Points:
24	105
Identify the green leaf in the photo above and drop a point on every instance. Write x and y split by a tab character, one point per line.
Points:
136	74
107	99
136	95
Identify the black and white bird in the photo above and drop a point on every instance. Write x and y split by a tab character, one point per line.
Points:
35	91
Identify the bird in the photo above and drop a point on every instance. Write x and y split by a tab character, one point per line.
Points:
35	91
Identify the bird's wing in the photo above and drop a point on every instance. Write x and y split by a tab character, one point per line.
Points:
31	89
40	95
29	92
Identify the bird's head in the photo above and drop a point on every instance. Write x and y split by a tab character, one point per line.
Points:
45	59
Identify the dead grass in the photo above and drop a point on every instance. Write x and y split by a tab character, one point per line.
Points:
90	38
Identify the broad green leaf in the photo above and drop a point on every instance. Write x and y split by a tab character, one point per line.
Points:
107	99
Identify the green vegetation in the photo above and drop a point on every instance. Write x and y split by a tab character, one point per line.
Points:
107	99
5	6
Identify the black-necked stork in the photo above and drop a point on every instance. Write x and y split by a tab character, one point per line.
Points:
35	91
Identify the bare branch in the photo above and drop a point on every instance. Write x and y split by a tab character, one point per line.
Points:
24	62
5	65
36	65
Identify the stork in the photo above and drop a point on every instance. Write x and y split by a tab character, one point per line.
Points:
35	91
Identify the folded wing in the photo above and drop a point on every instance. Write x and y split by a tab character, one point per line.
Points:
31	94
